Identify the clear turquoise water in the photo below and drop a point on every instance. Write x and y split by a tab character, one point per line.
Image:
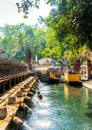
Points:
62	108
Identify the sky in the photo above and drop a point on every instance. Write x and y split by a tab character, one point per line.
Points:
9	13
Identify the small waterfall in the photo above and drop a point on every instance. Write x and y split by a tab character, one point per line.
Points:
26	126
40	84
21	123
29	108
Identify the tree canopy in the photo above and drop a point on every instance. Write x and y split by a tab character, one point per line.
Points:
67	17
66	32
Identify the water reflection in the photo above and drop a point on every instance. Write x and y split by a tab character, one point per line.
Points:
62	108
71	91
66	91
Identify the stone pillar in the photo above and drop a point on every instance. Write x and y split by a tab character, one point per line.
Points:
3	112
28	57
12	100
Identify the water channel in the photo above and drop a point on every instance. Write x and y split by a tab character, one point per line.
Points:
62	108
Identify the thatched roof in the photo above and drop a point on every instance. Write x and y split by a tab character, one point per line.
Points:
49	61
8	67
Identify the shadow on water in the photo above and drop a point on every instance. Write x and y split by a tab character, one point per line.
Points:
89	111
88	114
89	105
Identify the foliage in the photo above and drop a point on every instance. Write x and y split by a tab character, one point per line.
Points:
81	21
72	55
15	39
52	48
67	17
74	17
72	22
39	42
68	31
25	6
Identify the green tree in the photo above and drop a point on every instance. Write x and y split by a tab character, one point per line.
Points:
52	48
39	42
15	40
67	17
